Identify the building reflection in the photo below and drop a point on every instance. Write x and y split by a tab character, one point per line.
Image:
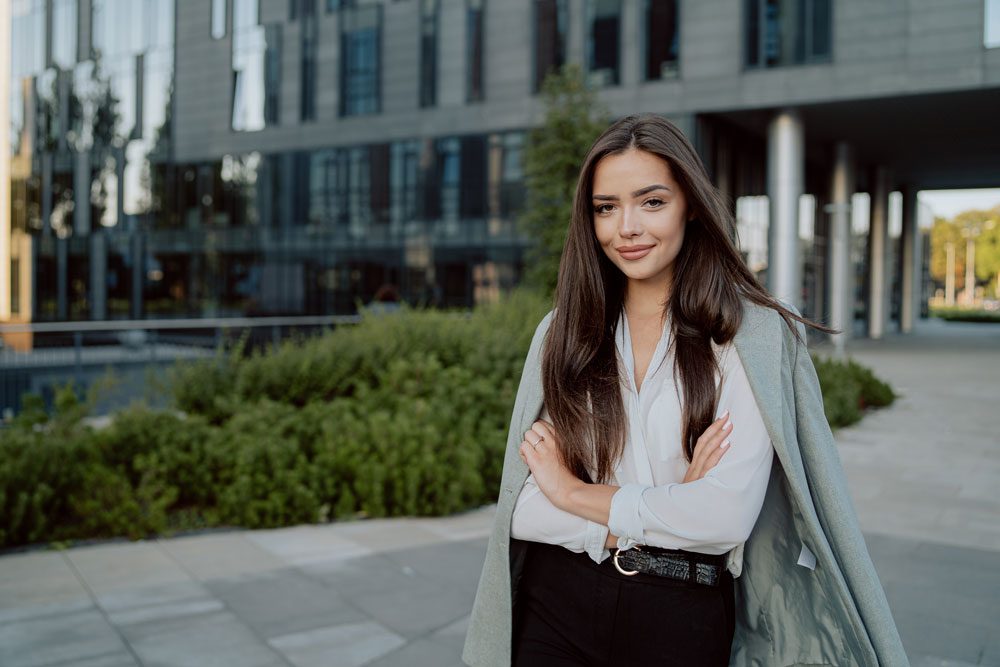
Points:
107	224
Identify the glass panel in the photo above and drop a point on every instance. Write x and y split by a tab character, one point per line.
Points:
403	183
991	24
307	70
474	50
661	39
821	31
64	35
360	61
256	69
603	41
550	38
428	52
218	19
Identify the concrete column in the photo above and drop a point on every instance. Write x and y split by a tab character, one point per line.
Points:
785	175
878	248
839	246
911	260
99	275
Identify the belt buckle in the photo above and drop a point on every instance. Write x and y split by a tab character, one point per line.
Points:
627	573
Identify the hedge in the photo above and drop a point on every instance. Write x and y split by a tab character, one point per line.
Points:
403	414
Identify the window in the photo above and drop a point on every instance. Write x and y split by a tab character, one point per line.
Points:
218	19
474	50
428	52
506	179
256	69
603	41
991	24
550	38
787	32
359	60
64	23
307	66
403	184
660	39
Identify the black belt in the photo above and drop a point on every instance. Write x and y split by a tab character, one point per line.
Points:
681	565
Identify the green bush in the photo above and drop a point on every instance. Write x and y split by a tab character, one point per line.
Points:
849	388
404	414
964	314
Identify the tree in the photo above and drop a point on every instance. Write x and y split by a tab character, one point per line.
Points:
988	251
553	156
983	226
943	233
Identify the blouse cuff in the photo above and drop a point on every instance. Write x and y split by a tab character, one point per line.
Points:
624	520
594	541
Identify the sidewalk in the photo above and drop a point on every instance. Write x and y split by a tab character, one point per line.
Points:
923	474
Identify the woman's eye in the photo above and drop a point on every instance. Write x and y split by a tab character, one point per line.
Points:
654	202
600	208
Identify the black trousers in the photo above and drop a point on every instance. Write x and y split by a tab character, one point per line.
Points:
571	611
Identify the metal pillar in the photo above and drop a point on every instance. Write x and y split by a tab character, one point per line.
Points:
841	275
878	234
785	175
912	269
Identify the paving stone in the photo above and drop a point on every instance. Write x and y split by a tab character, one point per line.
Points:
37	584
302	545
67	637
120	658
167	610
285	601
450	563
386	534
218	555
111	568
207	640
349	645
370	574
415	610
423	652
124	597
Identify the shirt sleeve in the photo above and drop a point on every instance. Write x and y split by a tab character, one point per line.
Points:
718	511
536	519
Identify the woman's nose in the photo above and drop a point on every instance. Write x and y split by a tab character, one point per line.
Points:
629	225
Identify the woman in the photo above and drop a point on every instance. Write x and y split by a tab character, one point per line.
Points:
676	498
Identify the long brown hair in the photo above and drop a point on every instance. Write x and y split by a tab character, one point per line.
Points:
580	372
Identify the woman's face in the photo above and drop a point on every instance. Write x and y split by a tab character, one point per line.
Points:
639	215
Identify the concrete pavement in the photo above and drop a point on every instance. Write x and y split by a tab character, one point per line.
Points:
923	474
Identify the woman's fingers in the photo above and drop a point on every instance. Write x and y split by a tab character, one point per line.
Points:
711	438
716	454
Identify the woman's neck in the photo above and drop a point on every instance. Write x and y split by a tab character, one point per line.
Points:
645	301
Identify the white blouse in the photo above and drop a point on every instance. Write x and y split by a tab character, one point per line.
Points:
711	515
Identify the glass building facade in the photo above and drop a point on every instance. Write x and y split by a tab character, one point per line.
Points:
107	223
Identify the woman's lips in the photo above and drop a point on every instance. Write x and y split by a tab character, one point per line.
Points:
635	252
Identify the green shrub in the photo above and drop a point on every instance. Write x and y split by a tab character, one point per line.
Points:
874	392
848	388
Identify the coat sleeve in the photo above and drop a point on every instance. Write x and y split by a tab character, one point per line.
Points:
835	510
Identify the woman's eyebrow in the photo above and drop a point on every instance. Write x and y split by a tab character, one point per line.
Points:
638	193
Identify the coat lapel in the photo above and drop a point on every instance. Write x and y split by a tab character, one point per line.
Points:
758	343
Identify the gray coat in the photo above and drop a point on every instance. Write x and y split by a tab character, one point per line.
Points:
833	613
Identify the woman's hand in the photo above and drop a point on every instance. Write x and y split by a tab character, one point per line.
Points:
709	448
540	450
